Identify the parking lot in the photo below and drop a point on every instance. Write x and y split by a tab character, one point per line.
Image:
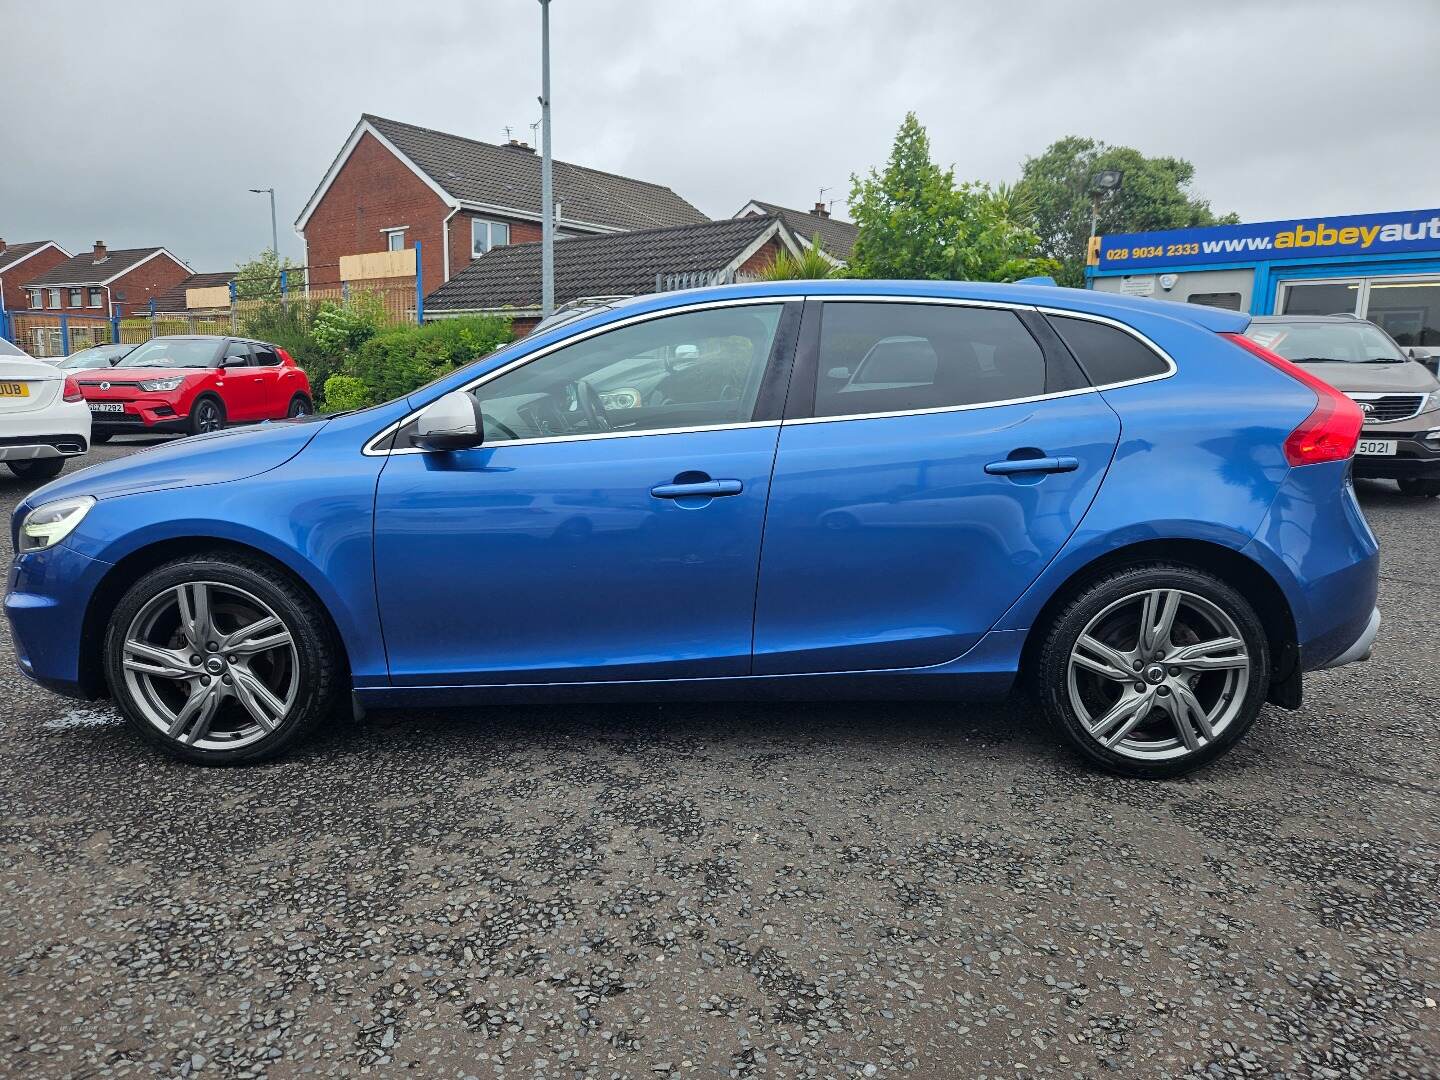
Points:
826	889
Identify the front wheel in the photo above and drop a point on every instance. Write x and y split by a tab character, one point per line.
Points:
38	469
1155	670
207	414
1424	488
219	659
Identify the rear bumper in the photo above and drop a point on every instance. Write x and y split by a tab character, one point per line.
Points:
1360	650
34	447
60	429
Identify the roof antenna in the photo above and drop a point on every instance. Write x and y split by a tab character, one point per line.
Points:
535	127
508	129
821	199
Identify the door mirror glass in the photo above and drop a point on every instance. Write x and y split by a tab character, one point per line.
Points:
451	423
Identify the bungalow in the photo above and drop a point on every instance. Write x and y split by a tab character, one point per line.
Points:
837	238
394	184
104	282
506	281
16	260
182	297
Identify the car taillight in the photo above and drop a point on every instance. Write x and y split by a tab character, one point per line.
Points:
1331	430
71	390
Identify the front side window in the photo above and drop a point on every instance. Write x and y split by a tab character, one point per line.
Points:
695	369
883	358
485	235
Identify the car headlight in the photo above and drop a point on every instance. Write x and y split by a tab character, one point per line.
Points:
160	385
47	525
1432	402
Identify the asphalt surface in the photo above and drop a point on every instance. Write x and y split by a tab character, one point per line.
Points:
826	890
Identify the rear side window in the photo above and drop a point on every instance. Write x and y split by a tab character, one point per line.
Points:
878	358
264	356
1108	355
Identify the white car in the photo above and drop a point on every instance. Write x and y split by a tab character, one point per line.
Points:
43	418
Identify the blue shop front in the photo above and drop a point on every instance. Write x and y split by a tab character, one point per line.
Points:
1382	267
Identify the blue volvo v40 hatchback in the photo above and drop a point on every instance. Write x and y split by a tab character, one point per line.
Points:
838	489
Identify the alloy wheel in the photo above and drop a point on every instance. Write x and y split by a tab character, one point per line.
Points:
209	416
298	408
211	666
1158	674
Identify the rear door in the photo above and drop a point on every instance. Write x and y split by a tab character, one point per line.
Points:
934	458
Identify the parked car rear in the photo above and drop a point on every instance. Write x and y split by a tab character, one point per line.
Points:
193	384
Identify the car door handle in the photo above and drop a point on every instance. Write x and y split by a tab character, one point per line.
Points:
704	489
1033	464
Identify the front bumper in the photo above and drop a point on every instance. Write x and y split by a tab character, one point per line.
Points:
1417	454
155	413
48	594
1360	650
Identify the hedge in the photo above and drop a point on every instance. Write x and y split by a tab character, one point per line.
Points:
395	362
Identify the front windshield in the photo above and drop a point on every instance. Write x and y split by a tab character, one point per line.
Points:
6	349
1339	342
174	353
98	357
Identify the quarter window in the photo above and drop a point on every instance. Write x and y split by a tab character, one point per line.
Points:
881	358
485	235
696	369
1108	355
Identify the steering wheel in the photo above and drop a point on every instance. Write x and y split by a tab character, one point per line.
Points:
591	407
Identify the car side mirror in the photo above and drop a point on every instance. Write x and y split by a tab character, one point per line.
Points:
451	423
838	373
233	361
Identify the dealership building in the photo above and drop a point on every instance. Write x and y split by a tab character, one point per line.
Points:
1383	267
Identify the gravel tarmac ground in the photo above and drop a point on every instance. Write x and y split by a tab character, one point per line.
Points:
712	890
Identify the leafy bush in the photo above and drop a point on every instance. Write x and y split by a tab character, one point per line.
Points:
342	328
395	362
345	392
811	264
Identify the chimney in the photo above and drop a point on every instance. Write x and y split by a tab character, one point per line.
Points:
2	247
100	251
523	147
821	210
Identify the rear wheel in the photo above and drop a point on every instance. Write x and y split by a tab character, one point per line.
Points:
220	660
207	414
38	469
299	406
1155	670
1425	488
99	437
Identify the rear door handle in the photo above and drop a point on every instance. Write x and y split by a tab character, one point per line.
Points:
704	489
1033	464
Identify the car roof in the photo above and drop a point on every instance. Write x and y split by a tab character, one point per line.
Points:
1337	318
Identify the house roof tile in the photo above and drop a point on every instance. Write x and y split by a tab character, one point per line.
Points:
82	269
837	237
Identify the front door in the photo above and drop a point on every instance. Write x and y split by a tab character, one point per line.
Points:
609	529
244	383
941	467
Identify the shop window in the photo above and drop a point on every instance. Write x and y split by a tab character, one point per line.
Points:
1408	310
1230	301
1322	298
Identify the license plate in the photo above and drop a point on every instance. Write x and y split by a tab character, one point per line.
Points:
14	389
1375	447
102	406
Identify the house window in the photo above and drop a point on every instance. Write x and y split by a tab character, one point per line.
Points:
485	235
394	239
97	298
37	298
77	297
54	298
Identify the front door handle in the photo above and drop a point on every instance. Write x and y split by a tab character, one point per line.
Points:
703	489
1033	464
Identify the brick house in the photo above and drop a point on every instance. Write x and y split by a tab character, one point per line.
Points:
393	184
837	238
18	261
177	298
102	281
506	280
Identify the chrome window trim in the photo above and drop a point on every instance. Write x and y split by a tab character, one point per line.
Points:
372	450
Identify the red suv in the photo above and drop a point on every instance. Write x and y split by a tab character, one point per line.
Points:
192	384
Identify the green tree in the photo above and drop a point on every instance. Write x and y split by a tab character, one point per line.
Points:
1055	187
259	279
810	265
915	222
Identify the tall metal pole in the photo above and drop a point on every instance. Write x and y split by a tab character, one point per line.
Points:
547	192
274	232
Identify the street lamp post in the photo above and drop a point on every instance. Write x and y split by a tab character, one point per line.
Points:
274	232
547	192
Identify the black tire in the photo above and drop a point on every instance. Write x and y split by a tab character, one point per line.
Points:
38	469
1420	488
299	406
207	414
318	658
1111	593
99	438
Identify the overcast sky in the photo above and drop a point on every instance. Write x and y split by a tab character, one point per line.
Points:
145	122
